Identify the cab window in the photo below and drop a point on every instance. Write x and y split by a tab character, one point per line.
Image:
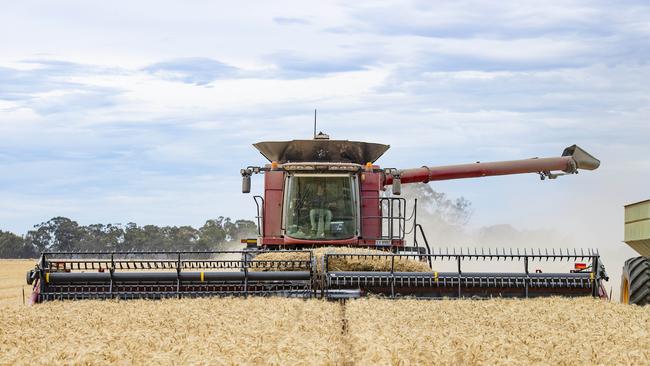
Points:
320	207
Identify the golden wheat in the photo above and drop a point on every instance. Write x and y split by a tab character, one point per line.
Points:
279	331
225	331
12	280
552	331
380	262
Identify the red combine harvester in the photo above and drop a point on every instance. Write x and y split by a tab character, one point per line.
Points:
326	193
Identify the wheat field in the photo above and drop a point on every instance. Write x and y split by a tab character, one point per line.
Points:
278	331
12	280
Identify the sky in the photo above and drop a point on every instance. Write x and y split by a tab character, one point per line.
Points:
145	111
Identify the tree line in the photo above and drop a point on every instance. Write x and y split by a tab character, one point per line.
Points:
64	234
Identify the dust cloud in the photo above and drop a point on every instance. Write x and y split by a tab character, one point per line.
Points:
445	223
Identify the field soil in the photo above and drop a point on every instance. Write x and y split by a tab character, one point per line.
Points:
282	331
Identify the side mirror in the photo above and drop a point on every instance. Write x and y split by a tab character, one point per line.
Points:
246	184
397	185
245	181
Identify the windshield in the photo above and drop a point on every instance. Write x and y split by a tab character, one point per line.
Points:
320	207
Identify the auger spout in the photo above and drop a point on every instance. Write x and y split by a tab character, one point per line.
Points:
573	158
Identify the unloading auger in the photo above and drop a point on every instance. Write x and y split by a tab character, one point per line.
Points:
330	193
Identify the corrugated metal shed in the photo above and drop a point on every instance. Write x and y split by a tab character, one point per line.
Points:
637	227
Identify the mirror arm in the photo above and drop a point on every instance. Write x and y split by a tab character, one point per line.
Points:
246	177
397	180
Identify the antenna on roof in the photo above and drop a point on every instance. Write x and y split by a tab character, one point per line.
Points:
314	123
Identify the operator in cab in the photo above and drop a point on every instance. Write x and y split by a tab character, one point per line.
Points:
320	214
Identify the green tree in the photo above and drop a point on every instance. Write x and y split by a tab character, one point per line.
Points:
63	234
134	238
100	237
211	234
454	212
180	238
153	238
57	234
14	246
242	229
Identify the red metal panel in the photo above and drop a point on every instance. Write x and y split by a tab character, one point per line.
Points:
373	243
302	243
272	241
370	207
320	243
273	196
426	174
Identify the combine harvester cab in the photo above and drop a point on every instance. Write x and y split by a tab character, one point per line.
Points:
330	193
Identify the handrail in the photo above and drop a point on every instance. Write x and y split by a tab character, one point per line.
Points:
426	242
259	217
391	217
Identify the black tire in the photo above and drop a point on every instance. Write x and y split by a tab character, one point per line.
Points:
30	277
635	284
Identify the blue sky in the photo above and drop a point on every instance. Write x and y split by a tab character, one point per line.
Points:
145	111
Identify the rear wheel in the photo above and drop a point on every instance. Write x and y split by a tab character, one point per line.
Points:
635	283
